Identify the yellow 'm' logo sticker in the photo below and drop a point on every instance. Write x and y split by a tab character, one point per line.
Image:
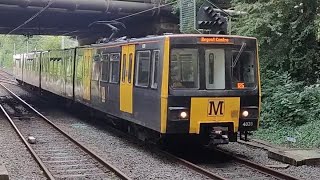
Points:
216	108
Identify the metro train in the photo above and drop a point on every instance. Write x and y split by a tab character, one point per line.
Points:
204	87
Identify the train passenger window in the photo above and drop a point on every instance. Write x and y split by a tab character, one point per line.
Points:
58	66
30	63
50	67
79	66
243	71
33	65
105	67
95	73
46	64
27	64
143	68
215	68
56	62
114	67
184	68
124	62
68	57
17	62
130	67
43	64
155	66
54	66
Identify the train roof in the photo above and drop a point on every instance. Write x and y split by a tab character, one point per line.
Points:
157	37
121	41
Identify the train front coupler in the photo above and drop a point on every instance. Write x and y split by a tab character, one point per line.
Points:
218	136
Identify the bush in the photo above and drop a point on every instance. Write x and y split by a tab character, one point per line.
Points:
281	102
308	135
287	102
289	109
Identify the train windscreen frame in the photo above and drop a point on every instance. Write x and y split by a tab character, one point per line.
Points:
219	64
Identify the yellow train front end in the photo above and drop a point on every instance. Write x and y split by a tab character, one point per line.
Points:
213	87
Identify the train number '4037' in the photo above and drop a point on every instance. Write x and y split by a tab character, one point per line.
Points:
247	124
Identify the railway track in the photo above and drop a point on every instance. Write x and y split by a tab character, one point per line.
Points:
228	166
6	77
59	155
5	73
256	167
221	172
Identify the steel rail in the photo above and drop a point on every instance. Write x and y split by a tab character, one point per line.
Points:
6	79
184	162
259	145
263	169
2	75
83	147
193	166
9	82
254	166
2	70
33	153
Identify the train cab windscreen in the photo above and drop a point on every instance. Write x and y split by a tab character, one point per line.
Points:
243	70
186	68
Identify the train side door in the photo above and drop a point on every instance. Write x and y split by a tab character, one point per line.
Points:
87	74
126	78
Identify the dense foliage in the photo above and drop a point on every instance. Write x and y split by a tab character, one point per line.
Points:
287	31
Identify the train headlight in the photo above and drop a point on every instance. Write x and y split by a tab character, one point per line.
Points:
245	113
183	115
178	113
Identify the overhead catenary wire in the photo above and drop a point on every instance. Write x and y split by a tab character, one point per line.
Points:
130	15
33	17
141	12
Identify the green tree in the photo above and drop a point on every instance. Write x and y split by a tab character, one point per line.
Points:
287	32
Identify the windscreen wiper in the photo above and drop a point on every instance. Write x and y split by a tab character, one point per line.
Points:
234	63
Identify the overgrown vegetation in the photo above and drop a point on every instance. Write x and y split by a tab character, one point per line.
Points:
287	31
